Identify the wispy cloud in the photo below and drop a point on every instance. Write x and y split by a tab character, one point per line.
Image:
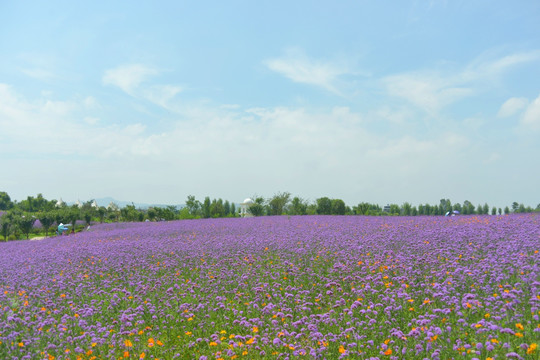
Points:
128	77
298	67
531	117
431	90
488	66
134	79
512	106
36	73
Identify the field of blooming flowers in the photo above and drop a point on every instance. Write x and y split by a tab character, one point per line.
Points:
318	287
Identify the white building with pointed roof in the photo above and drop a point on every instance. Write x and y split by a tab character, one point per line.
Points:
60	203
244	206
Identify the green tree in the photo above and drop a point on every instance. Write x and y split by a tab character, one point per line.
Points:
233	210
169	213
216	208
87	216
277	205
485	209
46	219
257	208
6	226
152	213
129	213
515	206
479	209
407	209
500	211
298	206
506	210
101	213
72	215
324	206
206	207
194	206
26	223
226	208
468	208
338	207
362	208
394	209
5	201
494	211
445	206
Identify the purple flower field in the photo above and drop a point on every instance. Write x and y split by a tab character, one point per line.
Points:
314	287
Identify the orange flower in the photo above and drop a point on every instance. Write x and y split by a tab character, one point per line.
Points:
128	343
341	349
519	326
126	354
531	349
142	356
388	352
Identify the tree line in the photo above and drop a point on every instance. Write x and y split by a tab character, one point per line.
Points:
18	219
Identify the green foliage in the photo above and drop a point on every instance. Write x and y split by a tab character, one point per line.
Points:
338	207
206	207
298	206
46	219
152	213
277	205
101	213
217	209
6	226
194	206
257	208
226	208
407	209
25	223
5	201
324	206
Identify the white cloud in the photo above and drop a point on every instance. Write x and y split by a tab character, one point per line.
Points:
432	90
128	77
531	117
90	120
489	68
512	106
426	90
39	74
161	94
296	66
134	79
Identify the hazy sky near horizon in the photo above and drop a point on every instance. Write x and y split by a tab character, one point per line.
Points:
378	101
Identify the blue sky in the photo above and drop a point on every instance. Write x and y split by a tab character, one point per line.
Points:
375	101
